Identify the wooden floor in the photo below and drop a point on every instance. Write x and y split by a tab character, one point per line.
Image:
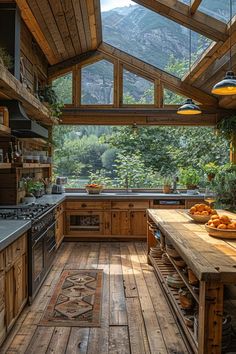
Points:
135	315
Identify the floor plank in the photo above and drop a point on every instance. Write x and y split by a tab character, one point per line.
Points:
119	340
135	317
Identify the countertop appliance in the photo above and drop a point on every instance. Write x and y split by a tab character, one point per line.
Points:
57	189
41	240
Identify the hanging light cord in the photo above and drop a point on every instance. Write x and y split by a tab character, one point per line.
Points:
230	39
190	51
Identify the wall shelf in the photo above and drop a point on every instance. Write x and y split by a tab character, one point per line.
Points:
31	165
14	89
4	130
5	166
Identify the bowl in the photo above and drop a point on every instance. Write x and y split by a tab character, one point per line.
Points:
200	218
227	233
94	190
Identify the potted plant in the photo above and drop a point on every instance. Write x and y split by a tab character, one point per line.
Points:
167	182
225	187
48	96
6	58
190	178
29	188
211	169
38	188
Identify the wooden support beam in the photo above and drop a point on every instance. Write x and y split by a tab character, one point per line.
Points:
214	52
36	31
60	68
143	116
169	81
179	12
194	6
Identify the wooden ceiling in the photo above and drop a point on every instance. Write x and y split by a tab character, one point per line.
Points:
69	31
63	28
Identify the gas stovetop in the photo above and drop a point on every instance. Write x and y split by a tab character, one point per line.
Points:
24	212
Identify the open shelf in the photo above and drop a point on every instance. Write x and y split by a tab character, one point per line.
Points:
4	130
32	165
14	89
162	272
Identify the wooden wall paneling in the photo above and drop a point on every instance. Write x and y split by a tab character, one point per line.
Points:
68	9
92	23
179	12
59	16
35	29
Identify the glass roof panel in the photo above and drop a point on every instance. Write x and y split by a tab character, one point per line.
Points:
218	9
150	37
136	89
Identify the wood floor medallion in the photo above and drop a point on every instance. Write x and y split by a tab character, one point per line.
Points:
76	300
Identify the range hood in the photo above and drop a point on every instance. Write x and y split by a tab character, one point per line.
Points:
21	125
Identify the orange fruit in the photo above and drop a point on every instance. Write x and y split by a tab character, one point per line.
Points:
192	210
205	213
222	226
213	217
213	212
231	226
225	219
201	207
216	222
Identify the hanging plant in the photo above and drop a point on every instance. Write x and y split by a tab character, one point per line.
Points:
47	95
227	127
6	58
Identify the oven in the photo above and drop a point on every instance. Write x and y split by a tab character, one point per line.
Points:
42	249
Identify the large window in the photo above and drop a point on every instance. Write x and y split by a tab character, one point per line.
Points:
121	157
136	89
63	88
97	83
151	37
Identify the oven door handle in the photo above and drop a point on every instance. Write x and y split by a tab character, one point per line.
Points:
38	239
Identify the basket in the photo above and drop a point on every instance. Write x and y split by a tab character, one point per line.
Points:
228	234
200	218
94	190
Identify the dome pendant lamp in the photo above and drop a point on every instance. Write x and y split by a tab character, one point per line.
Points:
228	85
189	107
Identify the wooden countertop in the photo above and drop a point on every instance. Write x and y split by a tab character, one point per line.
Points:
208	257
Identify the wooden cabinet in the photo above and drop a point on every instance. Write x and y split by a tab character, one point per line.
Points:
84	223
16	289
2	308
59	231
138	223
120	223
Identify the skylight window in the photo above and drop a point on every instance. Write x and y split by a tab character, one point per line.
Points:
151	37
218	9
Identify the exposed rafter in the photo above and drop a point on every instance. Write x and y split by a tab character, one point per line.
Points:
39	36
168	80
179	12
60	68
212	60
194	6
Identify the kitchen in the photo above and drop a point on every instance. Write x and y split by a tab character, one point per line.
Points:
72	105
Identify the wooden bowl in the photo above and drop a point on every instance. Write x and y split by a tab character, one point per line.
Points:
179	262
172	252
202	219
227	233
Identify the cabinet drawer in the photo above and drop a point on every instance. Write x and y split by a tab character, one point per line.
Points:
2	261
129	204
84	205
15	250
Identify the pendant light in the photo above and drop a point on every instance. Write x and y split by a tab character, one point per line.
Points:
228	85
189	107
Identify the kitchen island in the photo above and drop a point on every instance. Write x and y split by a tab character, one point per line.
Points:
191	252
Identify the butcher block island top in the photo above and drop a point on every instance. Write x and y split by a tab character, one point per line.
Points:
208	257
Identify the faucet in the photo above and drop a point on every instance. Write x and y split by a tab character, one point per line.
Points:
175	180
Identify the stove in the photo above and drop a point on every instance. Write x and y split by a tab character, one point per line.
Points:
24	212
41	240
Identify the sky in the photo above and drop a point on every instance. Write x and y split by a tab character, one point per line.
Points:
107	5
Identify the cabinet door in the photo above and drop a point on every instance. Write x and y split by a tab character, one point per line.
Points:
120	223
2	309
10	297
59	229
138	223
20	284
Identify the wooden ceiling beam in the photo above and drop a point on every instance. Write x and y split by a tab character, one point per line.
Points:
36	31
129	116
150	71
194	6
60	68
179	12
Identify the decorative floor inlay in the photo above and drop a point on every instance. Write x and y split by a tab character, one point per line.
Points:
76	300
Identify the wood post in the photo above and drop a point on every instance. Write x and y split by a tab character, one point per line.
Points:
233	149
210	317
